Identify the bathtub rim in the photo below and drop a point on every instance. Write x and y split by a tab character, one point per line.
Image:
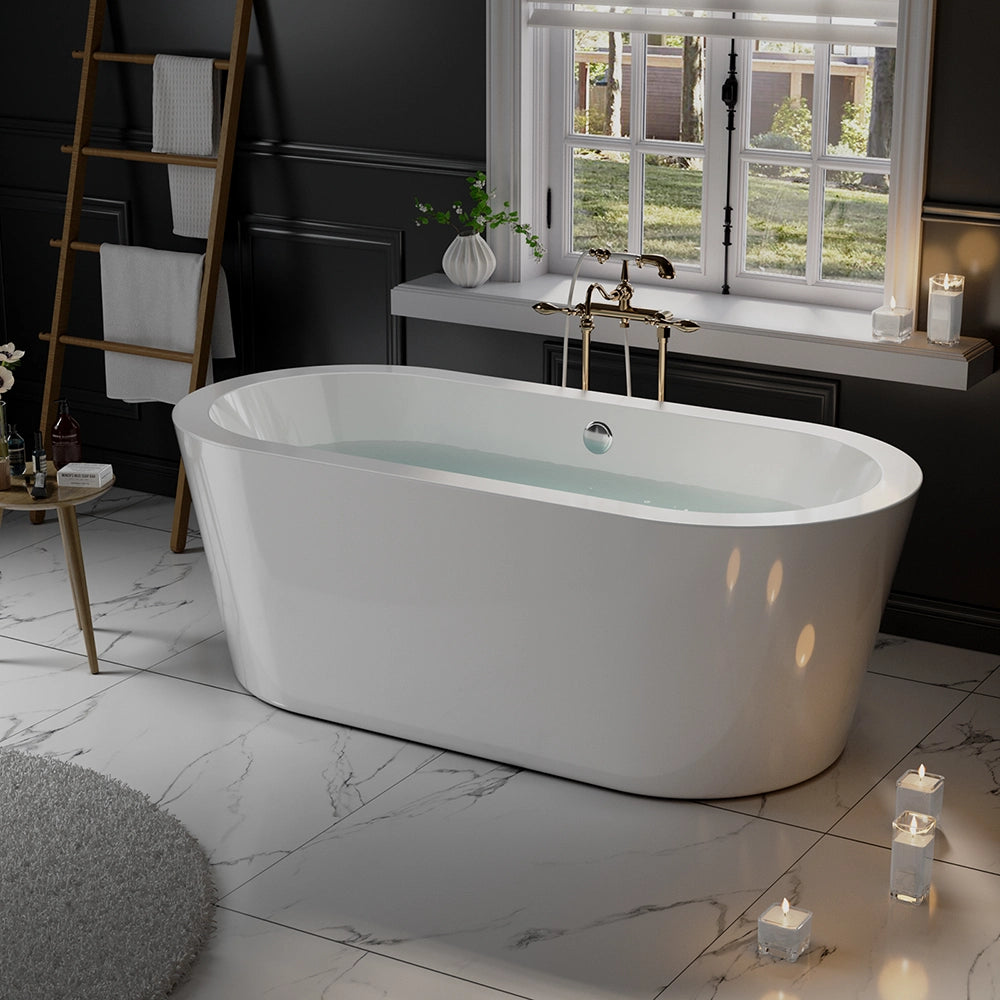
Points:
900	479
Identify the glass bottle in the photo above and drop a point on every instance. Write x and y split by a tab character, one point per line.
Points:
4	458
15	450
66	446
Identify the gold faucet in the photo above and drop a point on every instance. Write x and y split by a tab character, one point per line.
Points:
619	306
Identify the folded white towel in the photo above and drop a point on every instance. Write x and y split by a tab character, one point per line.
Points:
186	99
150	297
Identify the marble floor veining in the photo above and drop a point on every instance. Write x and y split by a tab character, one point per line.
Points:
352	865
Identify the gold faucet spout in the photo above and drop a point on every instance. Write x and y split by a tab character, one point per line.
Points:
663	266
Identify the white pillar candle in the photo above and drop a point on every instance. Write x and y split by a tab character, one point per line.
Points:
892	323
920	792
912	857
944	308
783	931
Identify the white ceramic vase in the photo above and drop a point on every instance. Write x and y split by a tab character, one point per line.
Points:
469	261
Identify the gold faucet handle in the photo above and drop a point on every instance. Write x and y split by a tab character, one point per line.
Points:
602	254
548	309
685	325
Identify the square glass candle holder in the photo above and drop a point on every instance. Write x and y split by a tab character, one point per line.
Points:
944	308
920	792
892	323
783	931
912	856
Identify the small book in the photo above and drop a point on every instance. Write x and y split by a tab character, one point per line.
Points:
93	474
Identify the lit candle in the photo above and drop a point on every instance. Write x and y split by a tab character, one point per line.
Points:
920	792
944	308
912	857
892	323
783	931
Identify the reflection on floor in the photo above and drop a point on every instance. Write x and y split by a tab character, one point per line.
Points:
351	865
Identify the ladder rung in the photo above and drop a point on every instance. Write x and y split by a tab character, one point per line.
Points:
146	156
116	347
77	245
136	57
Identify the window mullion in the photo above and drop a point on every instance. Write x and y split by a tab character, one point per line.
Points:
817	175
560	131
637	129
742	154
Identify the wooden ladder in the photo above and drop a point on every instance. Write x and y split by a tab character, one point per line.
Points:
69	243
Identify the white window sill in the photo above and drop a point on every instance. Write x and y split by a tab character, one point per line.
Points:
776	334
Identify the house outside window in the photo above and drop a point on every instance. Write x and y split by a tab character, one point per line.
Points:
766	153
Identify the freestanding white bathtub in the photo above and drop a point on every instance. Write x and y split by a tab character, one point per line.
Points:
439	557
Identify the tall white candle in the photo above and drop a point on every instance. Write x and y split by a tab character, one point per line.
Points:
944	308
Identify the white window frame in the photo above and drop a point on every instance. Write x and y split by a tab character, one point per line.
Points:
518	148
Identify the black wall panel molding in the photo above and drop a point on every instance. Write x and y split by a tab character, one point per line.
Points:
944	622
112	210
703	382
373	159
315	292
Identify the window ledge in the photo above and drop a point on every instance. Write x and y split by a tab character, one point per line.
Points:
826	339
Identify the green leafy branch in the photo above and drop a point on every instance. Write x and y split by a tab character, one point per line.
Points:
480	215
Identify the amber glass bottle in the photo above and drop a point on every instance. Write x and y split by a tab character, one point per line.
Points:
66	446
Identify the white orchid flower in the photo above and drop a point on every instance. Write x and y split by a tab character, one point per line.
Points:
6	379
9	353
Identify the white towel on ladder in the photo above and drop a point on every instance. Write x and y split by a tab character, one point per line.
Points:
186	97
150	297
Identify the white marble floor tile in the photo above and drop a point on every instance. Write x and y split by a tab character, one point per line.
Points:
965	748
150	511
991	685
247	958
251	782
147	602
932	663
542	887
893	715
865	945
208	662
17	532
113	503
37	682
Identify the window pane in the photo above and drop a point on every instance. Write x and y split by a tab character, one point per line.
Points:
674	91
601	78
600	199
855	219
777	220
672	213
781	90
861	95
850	105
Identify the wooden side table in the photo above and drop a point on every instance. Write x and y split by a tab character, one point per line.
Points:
64	500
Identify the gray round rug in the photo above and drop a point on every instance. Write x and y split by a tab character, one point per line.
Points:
102	895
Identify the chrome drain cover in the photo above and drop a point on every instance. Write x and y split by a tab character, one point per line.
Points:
597	437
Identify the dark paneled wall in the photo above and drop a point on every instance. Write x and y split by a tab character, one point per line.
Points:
350	111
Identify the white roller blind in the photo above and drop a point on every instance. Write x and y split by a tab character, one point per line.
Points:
844	22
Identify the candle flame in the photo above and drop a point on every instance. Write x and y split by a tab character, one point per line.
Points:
784	902
921	771
913	826
892	302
